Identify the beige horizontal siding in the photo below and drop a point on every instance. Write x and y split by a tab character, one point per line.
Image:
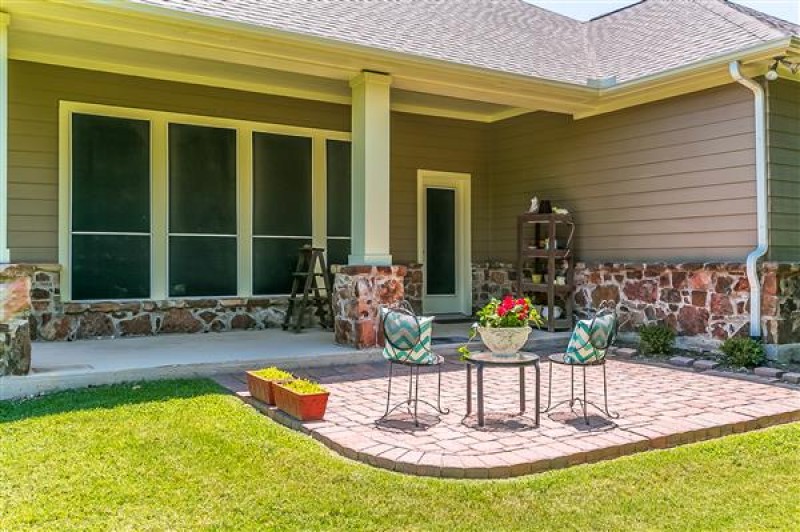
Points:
784	170
34	94
668	180
430	143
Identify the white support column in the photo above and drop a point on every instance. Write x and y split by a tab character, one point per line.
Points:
5	256
370	193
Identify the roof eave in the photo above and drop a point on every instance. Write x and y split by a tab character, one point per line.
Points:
687	78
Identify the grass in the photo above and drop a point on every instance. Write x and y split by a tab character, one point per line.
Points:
184	455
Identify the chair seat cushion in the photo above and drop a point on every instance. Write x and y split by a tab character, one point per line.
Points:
408	339
587	335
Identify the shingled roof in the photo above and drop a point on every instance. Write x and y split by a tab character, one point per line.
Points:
514	36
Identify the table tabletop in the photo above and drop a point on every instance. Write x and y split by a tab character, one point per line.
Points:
487	358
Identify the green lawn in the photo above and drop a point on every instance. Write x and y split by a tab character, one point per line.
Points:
184	455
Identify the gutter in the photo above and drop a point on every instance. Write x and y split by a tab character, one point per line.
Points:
760	103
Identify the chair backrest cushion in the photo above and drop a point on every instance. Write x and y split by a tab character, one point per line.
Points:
590	340
408	339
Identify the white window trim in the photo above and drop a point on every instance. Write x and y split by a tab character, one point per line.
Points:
159	187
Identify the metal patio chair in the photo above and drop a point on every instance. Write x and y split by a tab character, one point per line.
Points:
587	347
408	343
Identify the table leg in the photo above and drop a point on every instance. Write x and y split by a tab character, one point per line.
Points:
522	389
480	395
469	389
538	369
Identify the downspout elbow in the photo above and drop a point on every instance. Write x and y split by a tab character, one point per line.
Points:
760	106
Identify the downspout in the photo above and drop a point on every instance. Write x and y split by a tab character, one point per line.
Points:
759	99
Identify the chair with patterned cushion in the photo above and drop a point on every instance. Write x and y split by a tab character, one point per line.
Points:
587	347
407	340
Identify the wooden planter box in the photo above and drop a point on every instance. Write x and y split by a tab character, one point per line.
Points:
261	388
309	407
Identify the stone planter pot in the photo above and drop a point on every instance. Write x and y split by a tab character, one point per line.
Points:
305	407
504	341
261	388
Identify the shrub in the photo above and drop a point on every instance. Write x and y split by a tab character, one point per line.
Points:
304	387
274	374
656	340
743	352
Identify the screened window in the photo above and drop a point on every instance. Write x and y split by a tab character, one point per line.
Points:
338	201
282	208
110	208
202	211
160	206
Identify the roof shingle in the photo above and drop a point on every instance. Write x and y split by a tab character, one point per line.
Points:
514	36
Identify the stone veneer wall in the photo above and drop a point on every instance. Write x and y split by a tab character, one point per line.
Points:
358	292
708	302
492	279
412	286
52	320
705	301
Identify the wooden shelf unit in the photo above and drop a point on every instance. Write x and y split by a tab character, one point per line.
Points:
559	230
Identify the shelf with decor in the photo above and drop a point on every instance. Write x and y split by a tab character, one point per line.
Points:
546	265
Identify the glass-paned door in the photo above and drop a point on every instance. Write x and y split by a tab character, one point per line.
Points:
444	240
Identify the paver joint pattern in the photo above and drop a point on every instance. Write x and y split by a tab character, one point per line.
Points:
659	407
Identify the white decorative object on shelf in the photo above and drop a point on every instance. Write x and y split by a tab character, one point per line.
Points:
556	312
534	204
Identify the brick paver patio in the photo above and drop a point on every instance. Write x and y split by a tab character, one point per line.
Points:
659	407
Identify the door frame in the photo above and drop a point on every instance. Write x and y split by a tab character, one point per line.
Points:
462	184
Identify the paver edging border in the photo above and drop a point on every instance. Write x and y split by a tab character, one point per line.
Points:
445	465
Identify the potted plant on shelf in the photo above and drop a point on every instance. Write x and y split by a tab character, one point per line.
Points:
261	383
302	399
505	325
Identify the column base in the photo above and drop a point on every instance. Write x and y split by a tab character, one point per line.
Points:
358	292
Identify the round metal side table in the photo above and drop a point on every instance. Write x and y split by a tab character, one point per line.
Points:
488	359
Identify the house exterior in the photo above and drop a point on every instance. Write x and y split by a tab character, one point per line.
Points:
162	160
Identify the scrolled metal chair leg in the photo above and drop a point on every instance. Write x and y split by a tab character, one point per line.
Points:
416	400
389	391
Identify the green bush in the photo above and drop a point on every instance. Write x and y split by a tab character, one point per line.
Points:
743	352
656	340
274	374
305	387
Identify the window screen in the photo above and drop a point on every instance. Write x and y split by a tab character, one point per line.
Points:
110	207
339	200
282	208
202	211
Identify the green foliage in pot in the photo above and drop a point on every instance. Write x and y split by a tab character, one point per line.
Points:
305	387
743	352
273	374
656	340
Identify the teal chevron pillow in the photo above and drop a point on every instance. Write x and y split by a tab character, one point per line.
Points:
581	348
413	345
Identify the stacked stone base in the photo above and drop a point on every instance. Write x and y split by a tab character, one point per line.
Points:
52	320
15	348
358	293
706	303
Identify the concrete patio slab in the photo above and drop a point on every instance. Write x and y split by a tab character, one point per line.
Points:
67	365
659	407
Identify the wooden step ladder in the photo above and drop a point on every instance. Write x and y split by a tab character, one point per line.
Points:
311	268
